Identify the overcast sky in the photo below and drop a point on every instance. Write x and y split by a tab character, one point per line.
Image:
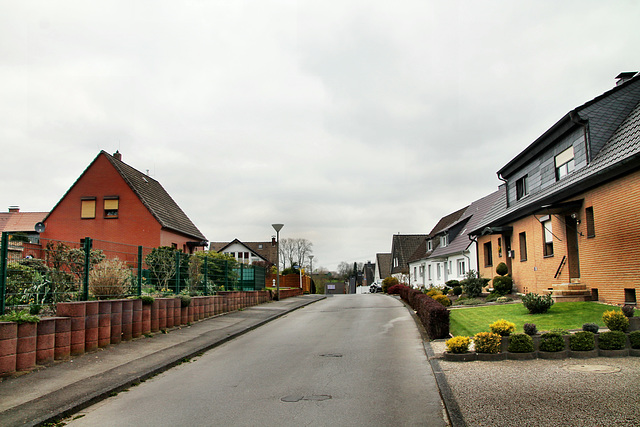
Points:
348	121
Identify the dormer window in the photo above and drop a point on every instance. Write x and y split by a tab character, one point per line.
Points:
564	163
444	240
429	245
522	187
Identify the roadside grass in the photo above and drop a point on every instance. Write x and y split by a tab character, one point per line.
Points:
564	315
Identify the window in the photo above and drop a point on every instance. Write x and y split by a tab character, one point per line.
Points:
444	240
630	296
523	246
421	271
591	231
548	236
429	271
260	246
522	187
461	268
429	246
111	207
88	210
564	163
415	272
439	270
450	267
488	256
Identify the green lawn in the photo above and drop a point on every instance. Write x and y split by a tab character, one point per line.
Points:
565	315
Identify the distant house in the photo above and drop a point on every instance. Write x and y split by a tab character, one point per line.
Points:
383	267
111	201
22	226
248	252
449	251
569	219
402	247
368	273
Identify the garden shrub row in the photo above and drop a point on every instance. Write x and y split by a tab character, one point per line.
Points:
433	315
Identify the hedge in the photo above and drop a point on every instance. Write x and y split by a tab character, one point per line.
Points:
433	315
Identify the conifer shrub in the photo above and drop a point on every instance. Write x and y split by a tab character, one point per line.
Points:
502	269
457	290
612	340
591	327
634	339
628	310
503	327
458	344
442	299
615	320
552	342
582	341
520	343
502	285
388	282
473	284
487	342
537	304
530	328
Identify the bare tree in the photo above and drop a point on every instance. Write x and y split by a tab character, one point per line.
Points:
295	251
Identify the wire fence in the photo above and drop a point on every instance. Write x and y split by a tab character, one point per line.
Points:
33	275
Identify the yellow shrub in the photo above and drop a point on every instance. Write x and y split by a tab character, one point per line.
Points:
615	320
503	327
442	299
487	342
458	344
433	292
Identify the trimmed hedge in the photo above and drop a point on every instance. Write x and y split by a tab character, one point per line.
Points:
433	315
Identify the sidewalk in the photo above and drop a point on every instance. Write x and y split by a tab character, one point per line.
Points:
66	387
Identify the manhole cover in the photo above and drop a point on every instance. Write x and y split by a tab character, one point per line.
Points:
313	397
331	355
595	369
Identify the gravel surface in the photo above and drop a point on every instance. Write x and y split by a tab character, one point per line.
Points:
570	392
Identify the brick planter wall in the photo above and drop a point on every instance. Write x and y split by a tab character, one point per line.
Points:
127	319
46	341
92	323
26	347
116	321
136	327
77	312
8	346
104	323
63	338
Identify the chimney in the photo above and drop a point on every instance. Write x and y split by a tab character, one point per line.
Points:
14	209
273	240
117	155
625	76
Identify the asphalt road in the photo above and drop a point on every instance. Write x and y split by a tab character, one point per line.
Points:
352	360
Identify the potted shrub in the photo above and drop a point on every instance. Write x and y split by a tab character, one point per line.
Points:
521	347
458	350
26	344
591	327
530	329
487	345
503	328
613	344
615	320
582	345
634	340
552	346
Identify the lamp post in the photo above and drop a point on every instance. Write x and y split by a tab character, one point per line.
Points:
310	272
277	227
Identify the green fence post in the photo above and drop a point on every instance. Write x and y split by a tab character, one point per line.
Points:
241	282
206	272
177	272
139	270
87	266
4	253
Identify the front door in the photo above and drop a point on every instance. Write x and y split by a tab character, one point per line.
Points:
573	260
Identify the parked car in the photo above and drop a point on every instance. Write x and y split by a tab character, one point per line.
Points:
374	288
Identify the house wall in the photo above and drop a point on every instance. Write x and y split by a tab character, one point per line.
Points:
609	262
236	247
134	225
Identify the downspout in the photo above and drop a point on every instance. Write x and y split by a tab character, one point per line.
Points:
506	187
473	240
575	118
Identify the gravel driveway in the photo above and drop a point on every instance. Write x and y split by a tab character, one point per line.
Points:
570	392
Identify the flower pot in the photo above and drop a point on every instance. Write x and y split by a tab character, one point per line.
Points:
553	355
169	312
529	355
116	321
177	311
104	323
583	354
460	357
613	353
8	346
155	321
634	324
491	357
26	346
162	313
146	318
63	338
184	315
46	341
136	326
127	319
92	323
77	312
635	352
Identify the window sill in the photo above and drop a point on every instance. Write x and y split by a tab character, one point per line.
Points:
548	256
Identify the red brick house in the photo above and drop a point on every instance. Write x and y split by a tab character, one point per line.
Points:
111	201
569	219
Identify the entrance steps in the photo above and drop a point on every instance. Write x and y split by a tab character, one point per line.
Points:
569	292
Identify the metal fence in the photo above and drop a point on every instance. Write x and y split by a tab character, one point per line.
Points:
36	275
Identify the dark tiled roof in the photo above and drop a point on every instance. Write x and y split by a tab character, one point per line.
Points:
403	247
446	221
618	156
267	252
383	261
165	210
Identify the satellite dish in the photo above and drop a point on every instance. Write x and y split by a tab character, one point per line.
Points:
39	227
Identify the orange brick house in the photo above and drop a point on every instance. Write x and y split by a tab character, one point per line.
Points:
111	201
570	219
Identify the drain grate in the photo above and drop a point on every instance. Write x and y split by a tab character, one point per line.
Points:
331	355
314	397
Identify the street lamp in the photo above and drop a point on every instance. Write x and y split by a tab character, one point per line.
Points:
311	272
277	227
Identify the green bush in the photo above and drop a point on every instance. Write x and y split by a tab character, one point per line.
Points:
612	340
530	328
628	310
503	327
551	342
473	284
502	269
185	300
146	300
582	341
487	342
537	303
458	344
442	299
634	339
457	290
502	285
452	283
615	320
520	343
469	301
493	296
591	327
388	282
20	317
